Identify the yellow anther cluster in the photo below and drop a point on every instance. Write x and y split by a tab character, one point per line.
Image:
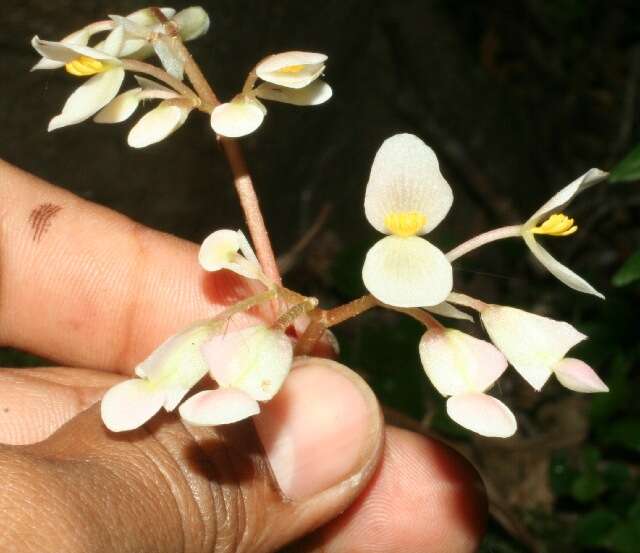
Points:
556	225
84	66
292	69
405	223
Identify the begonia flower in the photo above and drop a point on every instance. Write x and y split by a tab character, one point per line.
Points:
406	197
102	66
462	368
291	69
240	117
164	378
536	347
249	365
230	249
549	220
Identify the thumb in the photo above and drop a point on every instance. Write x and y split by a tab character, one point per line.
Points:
173	487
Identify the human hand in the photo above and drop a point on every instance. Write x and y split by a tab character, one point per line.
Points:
97	292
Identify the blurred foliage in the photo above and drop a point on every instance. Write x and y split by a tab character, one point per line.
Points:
629	272
628	169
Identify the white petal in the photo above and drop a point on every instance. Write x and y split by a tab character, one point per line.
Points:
169	57
457	363
132	28
255	360
236	118
273	68
114	42
120	108
89	98
405	177
192	22
578	376
79	38
220	251
445	309
130	404
158	123
407	272
534	345
65	53
222	406
482	414
314	94
564	196
557	269
138	48
147	18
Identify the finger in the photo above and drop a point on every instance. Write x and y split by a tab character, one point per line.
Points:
424	497
88	287
171	487
34	403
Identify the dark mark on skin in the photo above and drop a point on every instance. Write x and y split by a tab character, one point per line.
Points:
40	219
6	410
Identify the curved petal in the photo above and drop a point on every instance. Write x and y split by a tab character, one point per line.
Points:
291	69
482	414
255	360
407	272
236	118
457	363
120	108
313	94
564	196
147	17
220	251
112	45
578	376
534	345
192	22
557	269
158	123
405	177
445	309
92	96
214	407
130	404
66	52
79	38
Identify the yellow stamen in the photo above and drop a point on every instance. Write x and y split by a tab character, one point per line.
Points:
84	66
405	223
556	225
292	69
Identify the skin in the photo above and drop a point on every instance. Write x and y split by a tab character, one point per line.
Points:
97	292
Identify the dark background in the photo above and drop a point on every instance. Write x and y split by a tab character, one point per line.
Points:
517	98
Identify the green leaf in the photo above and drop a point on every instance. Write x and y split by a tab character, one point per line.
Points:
626	538
592	529
629	272
625	433
587	487
628	169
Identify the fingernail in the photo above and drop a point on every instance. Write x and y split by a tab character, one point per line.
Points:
322	428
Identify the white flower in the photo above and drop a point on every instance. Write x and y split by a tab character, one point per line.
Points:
243	115
105	69
163	379
291	69
548	220
313	94
536	347
230	249
406	197
463	367
249	365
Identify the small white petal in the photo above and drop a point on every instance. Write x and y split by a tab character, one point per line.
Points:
158	123
113	43
132	28
65	53
557	269
534	345
276	69
482	414
445	309
236	118
255	360
220	251
314	94
407	272
130	404
405	177
146	17
138	48
564	196
79	38
578	376
169	57
222	406
120	108
89	98
457	363
246	249
192	22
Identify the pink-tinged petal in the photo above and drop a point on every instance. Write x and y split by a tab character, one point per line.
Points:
578	376
482	414
222	406
130	404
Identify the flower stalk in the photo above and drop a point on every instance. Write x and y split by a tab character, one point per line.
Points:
482	239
